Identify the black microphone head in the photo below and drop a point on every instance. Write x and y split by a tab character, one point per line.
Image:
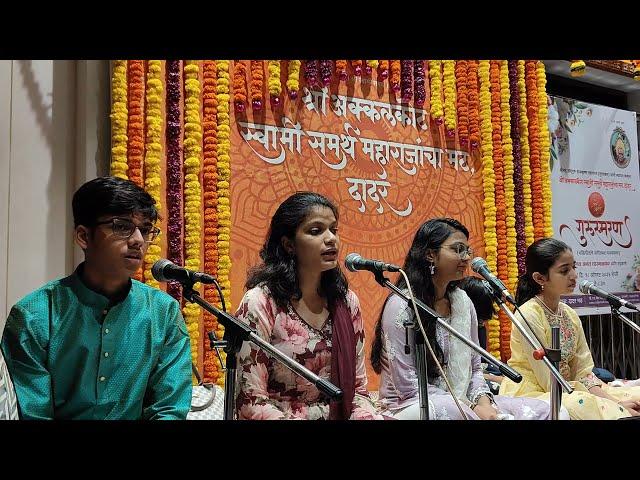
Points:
157	270
585	285
477	263
349	261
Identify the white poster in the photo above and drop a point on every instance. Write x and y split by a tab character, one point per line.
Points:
596	198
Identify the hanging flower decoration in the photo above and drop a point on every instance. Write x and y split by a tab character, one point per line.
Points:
174	172
435	84
577	68
545	148
383	69
239	85
326	69
293	78
418	83
395	75
463	101
472	92
449	84
257	84
119	118
153	156
274	85
406	80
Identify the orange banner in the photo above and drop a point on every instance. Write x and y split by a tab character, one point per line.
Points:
384	163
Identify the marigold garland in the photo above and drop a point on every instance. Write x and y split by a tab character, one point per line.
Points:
514	106
119	118
224	194
273	84
371	66
326	69
577	68
211	367
501	224
383	69
545	148
488	187
257	84
472	92
293	78
509	194
153	156
174	172
463	101
449	87
311	72
341	69
435	84
636	69
135	128
135	125
357	67
406	80
537	200
524	147
418	83
192	192
395	75
239	85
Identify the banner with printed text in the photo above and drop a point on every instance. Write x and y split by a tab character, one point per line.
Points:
596	197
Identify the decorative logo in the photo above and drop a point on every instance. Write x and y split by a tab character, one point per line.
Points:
620	148
596	204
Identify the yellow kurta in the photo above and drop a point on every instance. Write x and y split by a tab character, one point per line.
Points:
576	366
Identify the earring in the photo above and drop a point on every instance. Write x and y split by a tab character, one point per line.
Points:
542	287
432	268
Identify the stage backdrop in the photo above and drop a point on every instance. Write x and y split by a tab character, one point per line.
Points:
219	144
595	181
386	166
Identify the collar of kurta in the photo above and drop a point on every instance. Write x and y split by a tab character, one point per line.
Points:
92	298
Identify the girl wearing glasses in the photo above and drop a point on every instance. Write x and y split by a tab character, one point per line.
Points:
436	262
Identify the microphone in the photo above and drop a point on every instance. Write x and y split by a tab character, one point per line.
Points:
354	262
590	288
164	270
479	265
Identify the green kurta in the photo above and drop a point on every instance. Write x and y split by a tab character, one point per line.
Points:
72	355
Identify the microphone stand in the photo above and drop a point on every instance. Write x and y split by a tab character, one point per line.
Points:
421	354
549	356
615	312
235	333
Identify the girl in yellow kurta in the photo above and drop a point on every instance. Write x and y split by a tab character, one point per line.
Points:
551	273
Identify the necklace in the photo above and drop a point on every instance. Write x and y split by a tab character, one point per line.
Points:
557	314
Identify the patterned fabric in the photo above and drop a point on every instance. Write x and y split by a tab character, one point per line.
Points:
74	355
8	403
576	365
269	390
399	382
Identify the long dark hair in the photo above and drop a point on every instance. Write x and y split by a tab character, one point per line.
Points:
430	236
278	270
541	255
480	297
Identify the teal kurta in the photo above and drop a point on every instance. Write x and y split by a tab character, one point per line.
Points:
72	355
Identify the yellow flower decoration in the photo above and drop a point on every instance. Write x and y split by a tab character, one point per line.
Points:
119	120
545	148
153	156
488	186
524	148
449	84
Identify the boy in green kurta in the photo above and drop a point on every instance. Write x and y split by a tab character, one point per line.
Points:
98	344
